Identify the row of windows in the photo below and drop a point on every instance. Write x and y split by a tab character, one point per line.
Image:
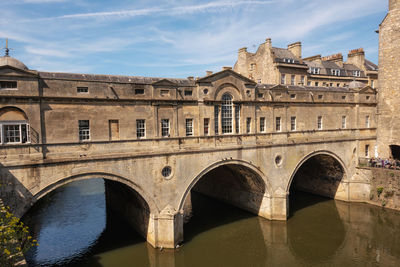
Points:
80	90
13	133
334	72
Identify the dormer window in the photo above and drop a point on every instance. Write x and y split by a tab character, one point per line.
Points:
314	70
288	60
335	72
356	73
8	85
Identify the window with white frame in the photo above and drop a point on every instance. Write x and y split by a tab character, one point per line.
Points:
367	121
237	118
262	124
140	128
302	80
356	73
13	132
189	127
278	124
165	127
335	72
292	79
283	78
206	126
293	123
226	113
314	70
84	130
344	119
248	125
319	123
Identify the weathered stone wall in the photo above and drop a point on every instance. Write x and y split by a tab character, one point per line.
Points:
389	81
385	188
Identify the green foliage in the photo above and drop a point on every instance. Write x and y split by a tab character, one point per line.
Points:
379	190
383	203
391	174
14	238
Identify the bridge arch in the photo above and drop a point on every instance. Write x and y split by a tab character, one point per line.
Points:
258	179
331	158
106	176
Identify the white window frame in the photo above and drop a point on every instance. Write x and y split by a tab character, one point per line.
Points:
165	128
356	73
278	124
319	123
83	133
335	72
367	151
367	121
189	127
292	79
314	70
227	114
15	123
140	128
262	124
293	122
206	129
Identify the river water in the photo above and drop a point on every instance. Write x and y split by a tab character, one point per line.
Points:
73	230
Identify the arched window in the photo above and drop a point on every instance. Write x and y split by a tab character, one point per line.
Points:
226	113
14	126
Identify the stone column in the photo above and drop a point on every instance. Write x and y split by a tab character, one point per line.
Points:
168	232
280	205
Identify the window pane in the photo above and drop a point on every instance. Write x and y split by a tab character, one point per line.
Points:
226	113
165	127
84	130
140	128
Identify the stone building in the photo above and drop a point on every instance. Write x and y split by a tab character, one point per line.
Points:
275	65
389	83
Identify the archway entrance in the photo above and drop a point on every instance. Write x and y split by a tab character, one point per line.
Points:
395	151
213	200
84	218
319	175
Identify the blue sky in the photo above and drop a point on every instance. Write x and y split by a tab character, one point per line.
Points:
172	38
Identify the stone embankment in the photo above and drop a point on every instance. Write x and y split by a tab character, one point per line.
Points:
385	188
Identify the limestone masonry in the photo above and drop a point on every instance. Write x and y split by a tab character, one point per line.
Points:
241	135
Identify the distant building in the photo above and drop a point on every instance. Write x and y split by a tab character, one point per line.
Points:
275	65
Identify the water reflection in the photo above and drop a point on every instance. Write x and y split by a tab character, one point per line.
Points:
72	231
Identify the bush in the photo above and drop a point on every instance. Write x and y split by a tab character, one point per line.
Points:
14	238
379	190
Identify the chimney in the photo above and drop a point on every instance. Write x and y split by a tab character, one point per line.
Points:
336	58
209	72
295	48
190	78
356	57
226	68
268	43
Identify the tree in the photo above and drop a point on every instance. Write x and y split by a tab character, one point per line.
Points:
14	238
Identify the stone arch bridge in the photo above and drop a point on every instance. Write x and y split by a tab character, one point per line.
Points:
149	181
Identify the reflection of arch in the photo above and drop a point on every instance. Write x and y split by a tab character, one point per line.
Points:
311	155
248	166
227	88
149	201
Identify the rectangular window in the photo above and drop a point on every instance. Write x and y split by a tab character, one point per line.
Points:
372	83
344	122
262	124
259	95
216	119
237	118
319	123
206	126
278	124
248	125
335	72
12	134
308	83
139	91
8	85
188	92
82	89
165	127
113	127
293	123
314	70
292	79
343	97
293	96
367	121
84	130
140	128
189	127
331	84
356	73
316	83
366	151
338	85
302	80
320	96
283	77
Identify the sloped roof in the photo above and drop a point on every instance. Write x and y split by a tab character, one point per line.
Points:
370	66
303	88
10	61
112	78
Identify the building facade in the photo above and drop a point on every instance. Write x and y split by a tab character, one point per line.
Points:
275	65
389	83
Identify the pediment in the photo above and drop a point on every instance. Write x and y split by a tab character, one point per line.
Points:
164	83
367	90
11	71
226	73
